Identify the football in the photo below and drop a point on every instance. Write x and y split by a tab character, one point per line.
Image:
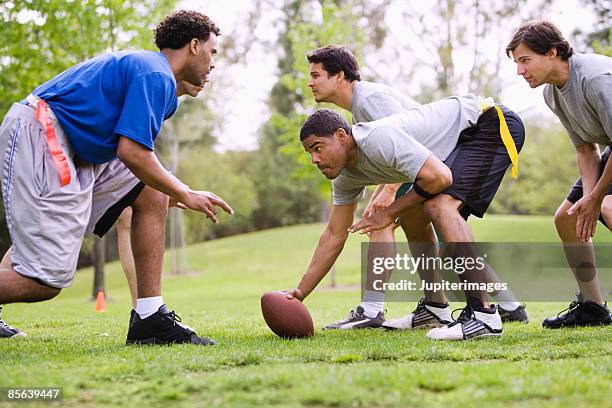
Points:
287	318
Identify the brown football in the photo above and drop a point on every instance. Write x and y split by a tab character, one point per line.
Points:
287	318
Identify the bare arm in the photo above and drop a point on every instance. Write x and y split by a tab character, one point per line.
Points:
328	249
601	188
594	189
145	165
433	177
587	157
382	197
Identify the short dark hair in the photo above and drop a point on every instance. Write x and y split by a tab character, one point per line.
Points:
540	37
335	59
181	27
324	122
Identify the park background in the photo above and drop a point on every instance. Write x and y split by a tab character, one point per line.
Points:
239	139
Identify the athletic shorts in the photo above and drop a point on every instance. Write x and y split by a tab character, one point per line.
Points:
575	193
479	161
47	222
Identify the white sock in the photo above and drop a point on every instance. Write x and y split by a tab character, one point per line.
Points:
373	303
507	301
145	307
509	306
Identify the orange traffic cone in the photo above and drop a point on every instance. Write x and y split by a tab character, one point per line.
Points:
101	302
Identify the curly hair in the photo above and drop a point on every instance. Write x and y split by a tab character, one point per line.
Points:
324	122
181	27
540	37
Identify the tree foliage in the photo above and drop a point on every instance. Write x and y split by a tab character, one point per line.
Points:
41	38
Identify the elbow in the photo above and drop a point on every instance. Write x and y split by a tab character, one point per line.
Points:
123	153
444	179
129	152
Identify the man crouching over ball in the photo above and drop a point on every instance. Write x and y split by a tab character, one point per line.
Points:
454	153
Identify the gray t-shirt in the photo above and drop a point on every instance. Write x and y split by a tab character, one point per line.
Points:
393	149
373	101
584	104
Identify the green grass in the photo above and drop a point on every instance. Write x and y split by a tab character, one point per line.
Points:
71	346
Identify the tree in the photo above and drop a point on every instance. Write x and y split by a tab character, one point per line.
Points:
309	25
451	47
599	36
41	38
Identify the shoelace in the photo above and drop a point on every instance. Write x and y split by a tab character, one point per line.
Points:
173	316
419	306
570	309
350	316
465	316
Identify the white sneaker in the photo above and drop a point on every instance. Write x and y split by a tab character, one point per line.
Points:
470	324
357	320
425	316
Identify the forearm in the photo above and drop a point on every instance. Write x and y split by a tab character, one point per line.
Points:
328	249
588	161
379	188
404	203
601	188
391	188
145	165
383	193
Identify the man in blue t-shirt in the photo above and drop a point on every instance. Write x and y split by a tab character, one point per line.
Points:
79	150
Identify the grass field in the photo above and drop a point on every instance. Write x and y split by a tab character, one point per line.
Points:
71	346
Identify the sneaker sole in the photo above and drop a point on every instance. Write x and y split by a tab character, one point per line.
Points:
15	336
424	326
359	327
146	342
158	342
468	339
573	326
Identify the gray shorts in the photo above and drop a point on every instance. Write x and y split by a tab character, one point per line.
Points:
47	222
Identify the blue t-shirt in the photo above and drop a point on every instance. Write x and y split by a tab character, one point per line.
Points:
128	93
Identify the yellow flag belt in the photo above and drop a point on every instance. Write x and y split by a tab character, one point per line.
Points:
486	104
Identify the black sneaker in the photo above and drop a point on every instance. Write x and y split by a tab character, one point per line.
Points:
162	327
517	315
132	314
356	319
7	331
580	314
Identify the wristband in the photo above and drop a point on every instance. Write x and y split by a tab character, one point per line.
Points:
423	193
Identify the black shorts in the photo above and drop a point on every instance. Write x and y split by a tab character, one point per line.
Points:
112	214
480	160
575	193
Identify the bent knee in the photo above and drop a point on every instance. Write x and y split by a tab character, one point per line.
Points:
385	234
606	210
150	199
41	292
563	219
440	204
52	292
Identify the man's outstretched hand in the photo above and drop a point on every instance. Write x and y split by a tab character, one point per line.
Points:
203	201
375	222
